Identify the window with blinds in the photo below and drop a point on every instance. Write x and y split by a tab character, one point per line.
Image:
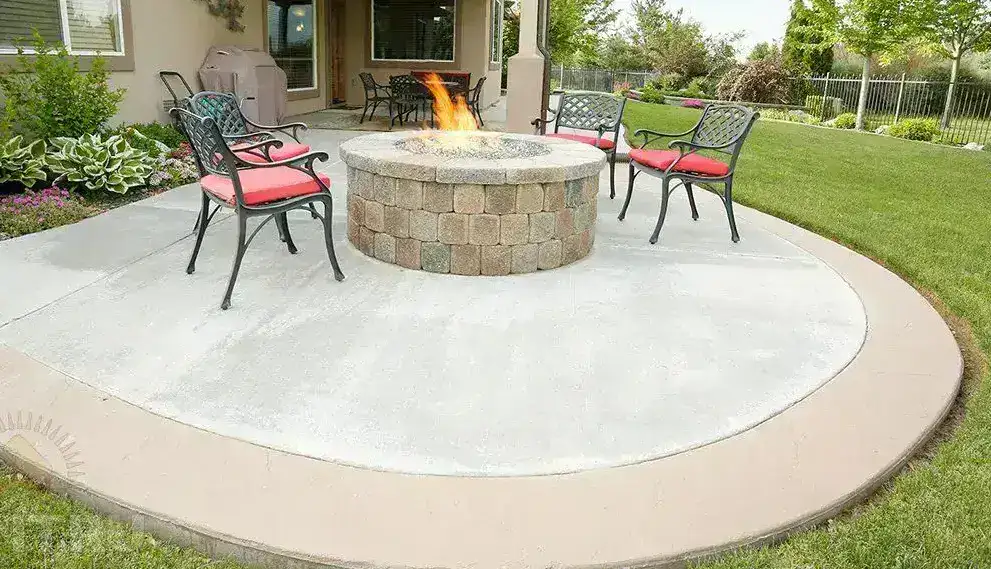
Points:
84	26
292	40
413	30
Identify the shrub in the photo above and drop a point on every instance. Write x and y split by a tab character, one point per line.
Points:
650	94
824	107
25	213
24	164
621	88
669	82
175	169
47	96
915	129
97	164
762	81
164	133
790	116
845	121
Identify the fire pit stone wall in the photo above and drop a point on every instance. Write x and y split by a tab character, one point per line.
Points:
472	216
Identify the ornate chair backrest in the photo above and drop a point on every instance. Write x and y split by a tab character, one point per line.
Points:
476	93
405	86
590	111
369	83
209	148
223	108
724	125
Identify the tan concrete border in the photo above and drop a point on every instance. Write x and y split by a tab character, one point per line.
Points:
229	497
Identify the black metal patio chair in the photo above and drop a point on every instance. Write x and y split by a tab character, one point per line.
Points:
597	112
406	97
375	94
722	129
251	189
239	130
474	100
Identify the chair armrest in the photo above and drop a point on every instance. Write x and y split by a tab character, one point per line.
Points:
693	147
249	137
653	135
261	149
295	127
303	162
539	122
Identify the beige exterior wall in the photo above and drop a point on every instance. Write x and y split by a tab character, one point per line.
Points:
175	35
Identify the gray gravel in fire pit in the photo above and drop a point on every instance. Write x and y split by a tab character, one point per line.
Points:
458	145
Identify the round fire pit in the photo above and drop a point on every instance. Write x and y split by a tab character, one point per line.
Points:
472	203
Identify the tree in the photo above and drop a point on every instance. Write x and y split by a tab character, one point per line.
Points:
764	50
807	45
956	28
871	29
574	32
617	52
675	43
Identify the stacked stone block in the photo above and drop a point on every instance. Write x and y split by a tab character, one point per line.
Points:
471	229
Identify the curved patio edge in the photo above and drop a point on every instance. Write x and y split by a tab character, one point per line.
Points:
226	497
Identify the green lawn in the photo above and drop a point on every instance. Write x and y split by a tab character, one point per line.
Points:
924	211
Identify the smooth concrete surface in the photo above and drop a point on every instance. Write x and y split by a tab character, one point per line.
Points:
636	353
227	496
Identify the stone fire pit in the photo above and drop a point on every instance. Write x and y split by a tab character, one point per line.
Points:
489	204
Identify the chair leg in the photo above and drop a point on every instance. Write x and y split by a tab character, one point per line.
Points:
728	202
313	211
328	214
612	175
363	112
479	113
282	220
629	193
665	194
242	230
691	201
201	224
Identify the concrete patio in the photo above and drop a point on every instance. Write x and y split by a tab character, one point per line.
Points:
646	404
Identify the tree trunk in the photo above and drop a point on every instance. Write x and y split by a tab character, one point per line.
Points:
865	83
944	123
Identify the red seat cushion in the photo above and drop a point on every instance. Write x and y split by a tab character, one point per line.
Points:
288	150
692	163
263	185
603	143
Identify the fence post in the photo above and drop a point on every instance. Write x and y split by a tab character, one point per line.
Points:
901	92
825	93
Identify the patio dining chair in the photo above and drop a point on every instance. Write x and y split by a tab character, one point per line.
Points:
474	100
241	132
253	189
722	129
406	97
375	94
597	112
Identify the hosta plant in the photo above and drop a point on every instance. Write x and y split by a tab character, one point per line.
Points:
100	164
22	163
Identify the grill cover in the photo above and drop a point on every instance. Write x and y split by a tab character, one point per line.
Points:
247	73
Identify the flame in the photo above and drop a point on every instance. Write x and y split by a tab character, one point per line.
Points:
451	114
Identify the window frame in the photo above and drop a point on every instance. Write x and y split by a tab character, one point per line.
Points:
316	47
454	39
496	45
67	35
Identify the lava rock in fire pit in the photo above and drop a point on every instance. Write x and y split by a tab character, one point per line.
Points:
472	145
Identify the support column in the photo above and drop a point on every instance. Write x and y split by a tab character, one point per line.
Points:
526	74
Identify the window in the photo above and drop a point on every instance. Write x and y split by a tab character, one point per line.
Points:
413	30
292	40
84	26
495	48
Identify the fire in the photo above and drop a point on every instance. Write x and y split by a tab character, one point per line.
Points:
451	114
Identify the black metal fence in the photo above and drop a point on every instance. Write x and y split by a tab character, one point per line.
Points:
602	80
889	99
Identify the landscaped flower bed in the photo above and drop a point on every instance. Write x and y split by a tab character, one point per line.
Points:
59	160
